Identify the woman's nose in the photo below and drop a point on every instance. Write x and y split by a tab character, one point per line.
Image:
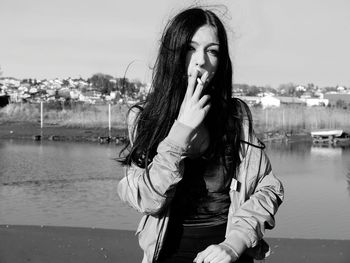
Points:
200	58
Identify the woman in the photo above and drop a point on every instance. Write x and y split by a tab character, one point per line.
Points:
195	169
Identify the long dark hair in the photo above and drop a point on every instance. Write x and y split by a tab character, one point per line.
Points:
161	107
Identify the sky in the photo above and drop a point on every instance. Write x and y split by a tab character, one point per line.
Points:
272	42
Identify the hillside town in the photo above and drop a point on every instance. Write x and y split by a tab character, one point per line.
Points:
291	94
101	89
98	89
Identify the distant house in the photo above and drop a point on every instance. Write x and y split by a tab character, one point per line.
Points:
316	102
250	100
306	95
264	94
64	92
74	94
300	88
340	89
33	90
51	92
291	100
23	89
270	101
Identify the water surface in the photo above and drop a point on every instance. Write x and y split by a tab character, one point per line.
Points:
75	184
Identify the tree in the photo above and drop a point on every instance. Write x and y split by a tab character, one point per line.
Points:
287	89
330	89
103	82
310	87
247	89
253	91
65	83
126	87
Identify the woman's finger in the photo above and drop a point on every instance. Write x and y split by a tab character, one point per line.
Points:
221	258
203	254
206	109
210	257
205	78
204	100
198	91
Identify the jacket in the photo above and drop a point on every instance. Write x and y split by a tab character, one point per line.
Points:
255	195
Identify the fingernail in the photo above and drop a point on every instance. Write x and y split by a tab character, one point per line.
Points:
200	81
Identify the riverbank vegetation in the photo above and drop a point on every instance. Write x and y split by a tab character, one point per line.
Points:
295	119
288	119
76	115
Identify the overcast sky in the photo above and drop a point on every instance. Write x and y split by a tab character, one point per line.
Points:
272	41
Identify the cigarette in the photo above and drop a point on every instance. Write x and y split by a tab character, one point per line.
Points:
199	81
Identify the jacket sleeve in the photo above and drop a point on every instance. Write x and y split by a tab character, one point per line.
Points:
260	195
149	192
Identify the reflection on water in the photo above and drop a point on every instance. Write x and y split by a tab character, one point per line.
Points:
59	183
348	179
75	184
328	152
286	148
317	190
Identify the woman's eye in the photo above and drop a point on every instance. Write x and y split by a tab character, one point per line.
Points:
190	48
213	52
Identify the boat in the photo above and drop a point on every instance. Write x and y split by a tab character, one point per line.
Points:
330	136
327	133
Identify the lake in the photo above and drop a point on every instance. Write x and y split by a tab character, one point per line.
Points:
75	184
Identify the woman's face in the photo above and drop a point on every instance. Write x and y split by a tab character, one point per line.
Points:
203	52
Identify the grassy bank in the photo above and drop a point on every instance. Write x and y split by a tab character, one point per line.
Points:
75	115
294	119
74	123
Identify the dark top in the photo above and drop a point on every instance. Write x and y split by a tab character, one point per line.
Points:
202	196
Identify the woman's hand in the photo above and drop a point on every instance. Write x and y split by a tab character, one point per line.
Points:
216	254
194	107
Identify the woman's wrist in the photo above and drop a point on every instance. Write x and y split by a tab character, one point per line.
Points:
180	134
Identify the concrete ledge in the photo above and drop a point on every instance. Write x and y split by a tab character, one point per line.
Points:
67	245
70	244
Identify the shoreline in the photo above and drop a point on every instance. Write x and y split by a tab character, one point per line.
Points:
32	131
73	244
